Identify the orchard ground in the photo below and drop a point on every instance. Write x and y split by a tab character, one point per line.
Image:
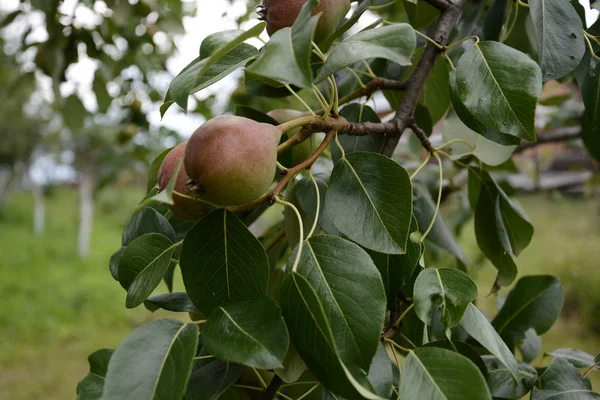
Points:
50	321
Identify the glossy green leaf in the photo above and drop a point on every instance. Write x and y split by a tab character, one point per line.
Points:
346	25
440	234
154	362
153	170
562	381
211	381
249	332
440	374
559	32
356	112
588	79
535	302
578	358
411	332
398	271
292	366
463	349
92	386
286	57
530	346
472	123
381	373
222	261
494	20
501	227
334	306
502	384
196	76
420	13
394	42
488	151
369	200
147	220
446	289
477	325
143	265
499	86
175	302
114	261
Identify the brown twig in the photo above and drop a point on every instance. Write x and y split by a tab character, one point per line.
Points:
371	87
552	136
419	133
273	387
414	85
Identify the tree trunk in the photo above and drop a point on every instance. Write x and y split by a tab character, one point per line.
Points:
86	210
5	178
39	210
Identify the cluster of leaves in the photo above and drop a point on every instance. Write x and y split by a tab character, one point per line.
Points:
333	315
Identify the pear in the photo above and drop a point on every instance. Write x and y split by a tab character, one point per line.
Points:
184	208
282	13
232	160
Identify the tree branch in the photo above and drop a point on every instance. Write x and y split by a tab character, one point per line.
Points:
414	85
371	87
273	387
552	136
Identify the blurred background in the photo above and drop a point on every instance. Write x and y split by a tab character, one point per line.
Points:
81	83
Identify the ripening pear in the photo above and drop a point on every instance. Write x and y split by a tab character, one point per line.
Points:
281	14
303	150
184	208
232	160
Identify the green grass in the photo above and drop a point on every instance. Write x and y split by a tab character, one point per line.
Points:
57	308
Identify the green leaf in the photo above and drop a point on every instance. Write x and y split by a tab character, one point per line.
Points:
440	234
381	373
535	302
74	113
113	264
249	332
394	42
588	79
222	261
210	380
346	25
488	151
398	271
91	387
154	362
196	76
420	13
559	32
476	325
499	86
369	200
103	98
447	289
463	349
470	121
411	333
334	306
175	302
590	136
153	170
577	358
147	220
143	265
494	20
356	112
286	57
501	227
531	346
502	384
561	381
435	373
293	366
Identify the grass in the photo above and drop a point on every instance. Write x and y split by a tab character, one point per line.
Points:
57	308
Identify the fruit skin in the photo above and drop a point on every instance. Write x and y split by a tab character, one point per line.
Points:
303	150
184	208
232	160
281	14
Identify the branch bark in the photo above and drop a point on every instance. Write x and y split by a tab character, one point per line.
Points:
552	136
414	85
273	387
